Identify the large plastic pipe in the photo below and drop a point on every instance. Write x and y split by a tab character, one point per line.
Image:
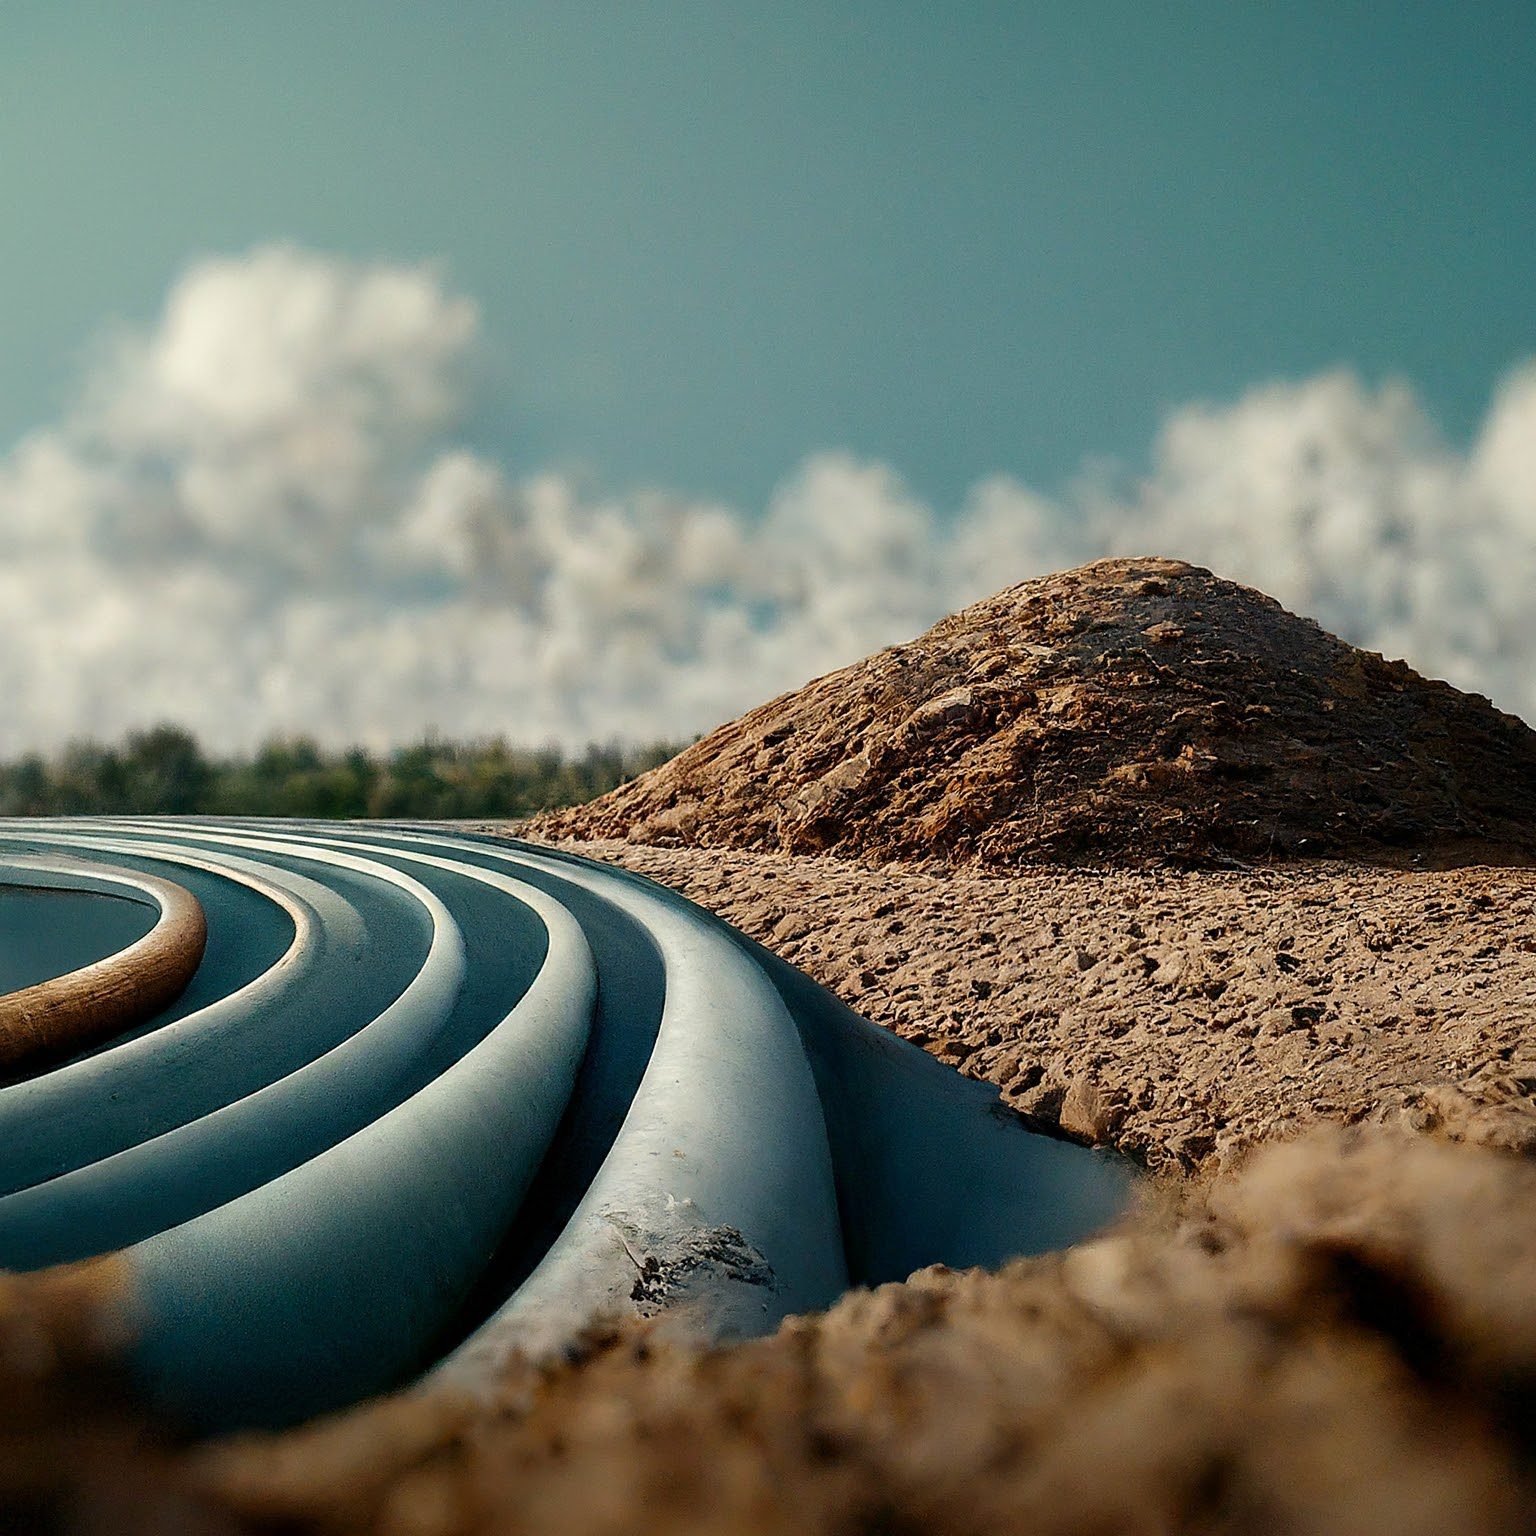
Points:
717	1201
759	1147
334	1279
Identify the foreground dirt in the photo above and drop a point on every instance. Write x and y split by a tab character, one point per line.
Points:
1128	710
76	1454
1180	1017
1340	1340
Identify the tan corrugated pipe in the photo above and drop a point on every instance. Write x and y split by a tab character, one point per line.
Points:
68	1012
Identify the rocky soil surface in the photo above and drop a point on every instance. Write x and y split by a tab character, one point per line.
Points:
1132	709
1179	1016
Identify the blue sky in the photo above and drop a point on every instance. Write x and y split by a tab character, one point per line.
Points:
578	371
710	237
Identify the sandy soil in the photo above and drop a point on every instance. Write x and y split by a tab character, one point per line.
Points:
1333	1333
1180	1017
1324	1318
1340	1340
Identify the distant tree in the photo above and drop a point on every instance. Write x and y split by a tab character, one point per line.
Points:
164	770
28	789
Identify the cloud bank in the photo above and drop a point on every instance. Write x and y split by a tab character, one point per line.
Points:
255	519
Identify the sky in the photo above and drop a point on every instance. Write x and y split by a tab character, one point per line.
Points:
577	371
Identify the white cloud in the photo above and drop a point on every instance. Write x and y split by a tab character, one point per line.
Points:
256	519
1344	502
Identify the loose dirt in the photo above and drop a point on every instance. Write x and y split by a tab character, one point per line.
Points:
1181	1017
1069	842
1128	710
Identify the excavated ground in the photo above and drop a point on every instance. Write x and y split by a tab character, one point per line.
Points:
1068	842
1333	1333
1181	1017
1128	710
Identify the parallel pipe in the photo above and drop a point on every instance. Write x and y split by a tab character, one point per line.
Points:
487	1096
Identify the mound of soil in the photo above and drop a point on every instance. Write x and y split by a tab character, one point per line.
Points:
1130	709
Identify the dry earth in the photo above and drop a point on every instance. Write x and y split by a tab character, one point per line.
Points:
1180	1017
1332	1334
1131	709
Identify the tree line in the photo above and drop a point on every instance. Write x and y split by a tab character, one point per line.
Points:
166	771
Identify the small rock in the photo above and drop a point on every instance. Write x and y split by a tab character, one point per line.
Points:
790	927
1086	1113
1042	1103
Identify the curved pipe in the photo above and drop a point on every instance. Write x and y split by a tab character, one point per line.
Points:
717	1200
334	1279
59	1016
173	1176
330	1233
88	1109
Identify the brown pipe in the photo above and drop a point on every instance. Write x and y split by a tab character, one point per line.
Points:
59	1016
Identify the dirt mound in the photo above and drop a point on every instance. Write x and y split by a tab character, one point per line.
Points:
1131	709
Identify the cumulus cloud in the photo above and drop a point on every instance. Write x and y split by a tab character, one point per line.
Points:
255	518
1345	503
